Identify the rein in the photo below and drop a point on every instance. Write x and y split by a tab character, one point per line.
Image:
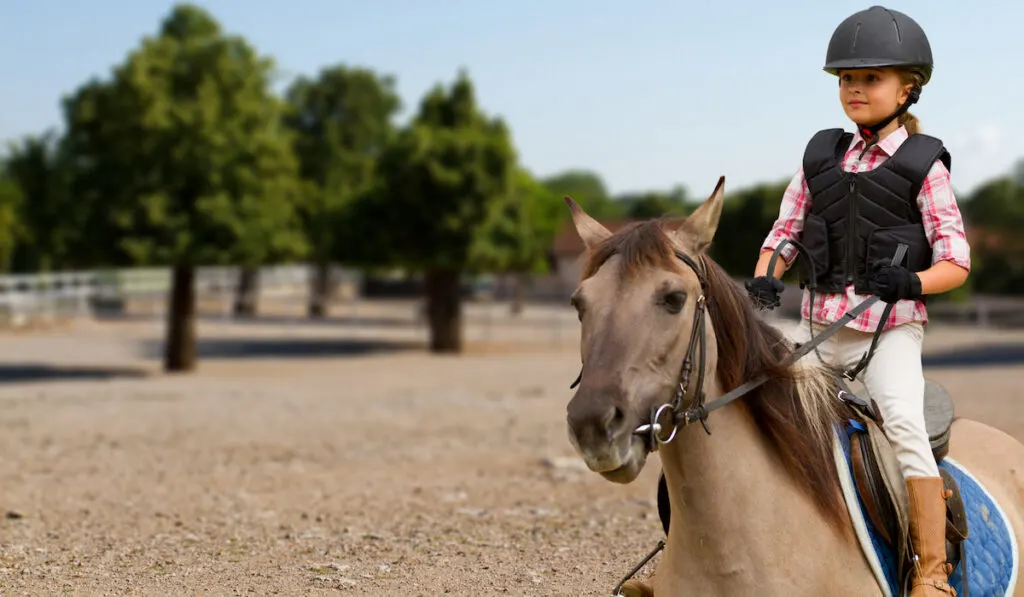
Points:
698	338
701	410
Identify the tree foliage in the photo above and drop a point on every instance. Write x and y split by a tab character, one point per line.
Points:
747	217
12	228
995	215
517	234
181	155
588	189
655	204
181	160
52	226
342	122
439	181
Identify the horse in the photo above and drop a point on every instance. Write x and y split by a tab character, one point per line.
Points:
755	490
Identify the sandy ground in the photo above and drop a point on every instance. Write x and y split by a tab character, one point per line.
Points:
333	458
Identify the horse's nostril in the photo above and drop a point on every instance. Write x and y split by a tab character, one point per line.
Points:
601	421
614	420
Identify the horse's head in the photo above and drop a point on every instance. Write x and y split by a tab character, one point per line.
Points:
637	304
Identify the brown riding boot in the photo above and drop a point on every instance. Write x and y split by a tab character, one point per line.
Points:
930	575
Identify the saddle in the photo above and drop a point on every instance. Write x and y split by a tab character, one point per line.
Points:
880	482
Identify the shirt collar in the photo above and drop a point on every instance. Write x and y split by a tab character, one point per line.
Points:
889	145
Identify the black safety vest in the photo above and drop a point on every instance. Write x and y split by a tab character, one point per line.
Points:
857	218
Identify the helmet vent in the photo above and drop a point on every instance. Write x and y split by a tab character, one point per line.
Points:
856	32
895	24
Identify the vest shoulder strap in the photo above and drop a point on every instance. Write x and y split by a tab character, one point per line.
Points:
825	150
915	157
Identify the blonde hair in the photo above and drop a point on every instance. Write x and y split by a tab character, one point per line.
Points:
908	120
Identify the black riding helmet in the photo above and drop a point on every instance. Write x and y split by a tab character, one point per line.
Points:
879	37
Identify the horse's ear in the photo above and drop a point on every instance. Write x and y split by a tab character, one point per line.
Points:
699	228
589	229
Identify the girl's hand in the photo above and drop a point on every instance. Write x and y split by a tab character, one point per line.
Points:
765	291
892	283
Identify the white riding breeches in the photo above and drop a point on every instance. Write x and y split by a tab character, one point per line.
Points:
894	378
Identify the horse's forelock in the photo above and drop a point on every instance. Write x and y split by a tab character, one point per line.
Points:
641	246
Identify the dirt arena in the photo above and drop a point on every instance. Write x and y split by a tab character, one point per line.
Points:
312	459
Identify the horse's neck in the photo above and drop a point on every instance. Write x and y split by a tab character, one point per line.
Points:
738	519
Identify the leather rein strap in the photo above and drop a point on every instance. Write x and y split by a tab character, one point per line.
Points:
698	339
698	335
700	412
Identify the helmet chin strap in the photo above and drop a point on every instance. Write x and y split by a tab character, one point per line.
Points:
870	133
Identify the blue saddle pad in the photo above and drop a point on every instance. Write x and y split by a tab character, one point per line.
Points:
992	559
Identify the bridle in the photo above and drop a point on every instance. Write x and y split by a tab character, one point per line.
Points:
699	410
698	341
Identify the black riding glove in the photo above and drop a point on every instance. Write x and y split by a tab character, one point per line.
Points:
765	291
893	283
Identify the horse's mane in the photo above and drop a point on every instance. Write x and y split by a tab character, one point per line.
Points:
795	408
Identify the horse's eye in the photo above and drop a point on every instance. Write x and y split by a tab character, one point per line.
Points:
674	301
578	305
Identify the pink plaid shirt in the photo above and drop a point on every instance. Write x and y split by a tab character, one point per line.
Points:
942	223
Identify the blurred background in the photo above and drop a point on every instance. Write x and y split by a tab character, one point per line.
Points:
284	287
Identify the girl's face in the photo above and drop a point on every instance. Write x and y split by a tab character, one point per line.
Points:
870	94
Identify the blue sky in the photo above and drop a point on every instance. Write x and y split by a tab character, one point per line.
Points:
650	95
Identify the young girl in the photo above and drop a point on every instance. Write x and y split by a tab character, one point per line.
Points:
857	197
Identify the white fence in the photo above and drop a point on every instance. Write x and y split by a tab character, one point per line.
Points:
68	295
45	296
52	296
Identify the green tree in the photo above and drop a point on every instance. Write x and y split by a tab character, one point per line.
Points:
342	121
439	181
518	232
995	214
655	204
11	228
51	232
588	189
996	204
747	217
181	160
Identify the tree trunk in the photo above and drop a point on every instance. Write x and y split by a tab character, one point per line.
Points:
319	291
518	293
247	295
444	310
180	348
